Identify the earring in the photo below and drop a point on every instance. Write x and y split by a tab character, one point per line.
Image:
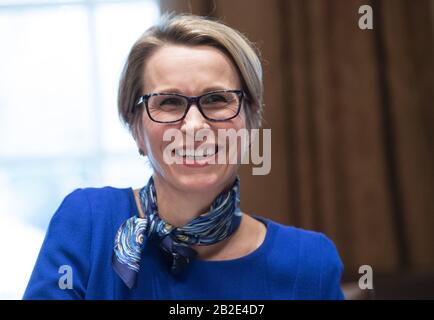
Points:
141	152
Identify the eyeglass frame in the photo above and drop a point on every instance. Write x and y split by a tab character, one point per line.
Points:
190	101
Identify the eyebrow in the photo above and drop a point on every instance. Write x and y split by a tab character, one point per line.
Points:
207	89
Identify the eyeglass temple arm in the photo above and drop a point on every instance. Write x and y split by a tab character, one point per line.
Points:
141	100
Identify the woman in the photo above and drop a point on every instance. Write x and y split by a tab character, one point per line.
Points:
183	235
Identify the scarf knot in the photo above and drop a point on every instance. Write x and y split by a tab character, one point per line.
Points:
215	225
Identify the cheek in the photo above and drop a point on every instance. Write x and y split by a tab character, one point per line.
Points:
153	136
239	122
242	120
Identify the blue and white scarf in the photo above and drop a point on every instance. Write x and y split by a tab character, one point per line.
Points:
222	220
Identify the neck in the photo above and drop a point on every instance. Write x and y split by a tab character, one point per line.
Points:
178	207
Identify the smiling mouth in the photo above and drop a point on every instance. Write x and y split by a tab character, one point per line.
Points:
200	153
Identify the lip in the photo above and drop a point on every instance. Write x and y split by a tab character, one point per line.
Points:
197	163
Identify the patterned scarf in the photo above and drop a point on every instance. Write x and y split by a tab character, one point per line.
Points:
222	219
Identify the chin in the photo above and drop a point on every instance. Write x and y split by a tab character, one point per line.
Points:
202	182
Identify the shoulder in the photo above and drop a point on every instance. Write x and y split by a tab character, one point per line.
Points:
88	199
86	206
92	196
77	238
302	240
312	255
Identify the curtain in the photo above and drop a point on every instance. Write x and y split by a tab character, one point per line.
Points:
352	119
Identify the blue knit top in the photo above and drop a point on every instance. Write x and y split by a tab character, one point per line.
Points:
291	263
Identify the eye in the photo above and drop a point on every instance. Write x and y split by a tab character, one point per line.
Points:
215	98
171	101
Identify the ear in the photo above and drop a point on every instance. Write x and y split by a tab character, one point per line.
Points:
138	138
141	148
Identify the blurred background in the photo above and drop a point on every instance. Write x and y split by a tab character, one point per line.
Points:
351	113
60	62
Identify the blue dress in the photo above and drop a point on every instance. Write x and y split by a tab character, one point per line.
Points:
291	263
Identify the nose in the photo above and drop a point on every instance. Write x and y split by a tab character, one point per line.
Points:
194	120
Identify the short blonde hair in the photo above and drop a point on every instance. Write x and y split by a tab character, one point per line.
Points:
190	30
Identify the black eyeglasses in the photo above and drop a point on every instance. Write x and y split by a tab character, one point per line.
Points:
216	106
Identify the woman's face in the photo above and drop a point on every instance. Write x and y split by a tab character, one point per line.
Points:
190	71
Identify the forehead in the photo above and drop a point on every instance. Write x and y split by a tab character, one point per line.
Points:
189	70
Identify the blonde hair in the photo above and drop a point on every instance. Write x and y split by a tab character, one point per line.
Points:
190	30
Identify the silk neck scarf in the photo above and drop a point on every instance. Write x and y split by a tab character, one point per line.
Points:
219	222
